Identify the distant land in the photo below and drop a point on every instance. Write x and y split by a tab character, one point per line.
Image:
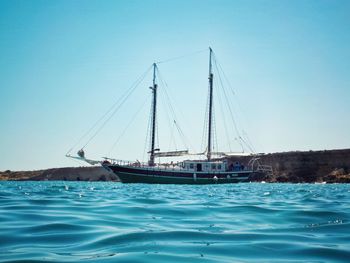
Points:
330	166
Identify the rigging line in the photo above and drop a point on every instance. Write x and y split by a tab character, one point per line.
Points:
231	88
181	133
167	115
226	99
251	147
172	135
240	143
182	136
147	133
128	125
110	109
172	138
248	142
157	134
166	94
164	105
225	77
224	119
162	91
180	57
115	110
206	120
172	110
215	137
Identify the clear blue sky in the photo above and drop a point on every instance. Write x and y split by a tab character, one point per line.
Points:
64	63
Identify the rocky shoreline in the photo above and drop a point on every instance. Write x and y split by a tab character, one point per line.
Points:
330	166
93	173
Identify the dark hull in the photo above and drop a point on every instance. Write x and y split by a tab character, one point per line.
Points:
128	174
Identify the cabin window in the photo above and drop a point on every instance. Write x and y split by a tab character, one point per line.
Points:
213	166
191	165
219	166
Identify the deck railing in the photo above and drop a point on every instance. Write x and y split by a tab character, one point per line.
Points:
170	166
164	166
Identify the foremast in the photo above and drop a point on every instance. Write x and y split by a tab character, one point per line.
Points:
210	112
154	116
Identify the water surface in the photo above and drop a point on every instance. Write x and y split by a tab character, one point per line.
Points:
109	222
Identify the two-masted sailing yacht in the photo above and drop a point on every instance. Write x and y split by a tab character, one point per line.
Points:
208	171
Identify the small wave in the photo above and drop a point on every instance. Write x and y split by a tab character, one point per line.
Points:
109	222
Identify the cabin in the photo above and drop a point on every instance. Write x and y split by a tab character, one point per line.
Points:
205	166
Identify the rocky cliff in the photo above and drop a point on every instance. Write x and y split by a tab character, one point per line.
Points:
311	166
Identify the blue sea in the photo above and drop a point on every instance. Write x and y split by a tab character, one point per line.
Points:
114	222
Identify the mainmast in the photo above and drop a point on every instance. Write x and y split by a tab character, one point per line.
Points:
154	111
210	104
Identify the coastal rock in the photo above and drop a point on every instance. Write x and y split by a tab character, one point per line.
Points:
305	167
94	173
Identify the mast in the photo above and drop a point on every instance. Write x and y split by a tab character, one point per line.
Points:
210	104
154	111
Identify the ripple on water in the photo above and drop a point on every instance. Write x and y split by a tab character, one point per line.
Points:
72	221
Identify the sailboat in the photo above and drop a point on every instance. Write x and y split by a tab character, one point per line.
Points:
208	171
